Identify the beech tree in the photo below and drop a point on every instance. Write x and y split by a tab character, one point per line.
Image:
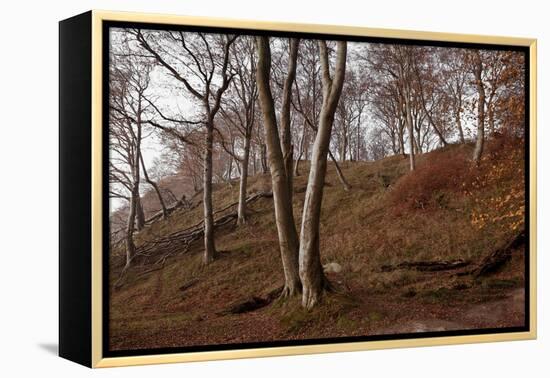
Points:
456	76
286	137
347	128
155	186
206	59
284	217
395	64
128	84
307	98
428	92
239	111
311	270
307	101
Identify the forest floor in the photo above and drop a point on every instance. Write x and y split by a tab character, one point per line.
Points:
445	211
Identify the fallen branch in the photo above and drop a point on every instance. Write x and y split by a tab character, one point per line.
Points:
171	208
153	254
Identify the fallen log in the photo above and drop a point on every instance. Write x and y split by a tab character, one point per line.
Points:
427	266
188	284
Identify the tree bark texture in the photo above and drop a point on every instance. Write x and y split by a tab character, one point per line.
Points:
311	270
286	137
209	246
284	218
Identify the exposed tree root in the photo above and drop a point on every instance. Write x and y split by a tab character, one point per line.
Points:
312	298
253	303
287	292
500	256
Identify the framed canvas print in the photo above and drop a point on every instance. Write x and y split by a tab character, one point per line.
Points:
235	189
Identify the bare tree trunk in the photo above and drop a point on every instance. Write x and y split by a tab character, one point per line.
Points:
311	271
286	137
491	118
480	138
409	122
344	150
254	169
263	158
140	215
339	173
358	146
284	218
229	171
130	246
417	143
155	187
135	205
209	246
300	150
401	137
459	126
241	209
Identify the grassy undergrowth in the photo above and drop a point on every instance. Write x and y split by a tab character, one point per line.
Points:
445	210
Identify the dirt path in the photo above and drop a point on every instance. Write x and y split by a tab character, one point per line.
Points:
506	312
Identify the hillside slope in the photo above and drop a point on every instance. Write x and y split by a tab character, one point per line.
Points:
408	244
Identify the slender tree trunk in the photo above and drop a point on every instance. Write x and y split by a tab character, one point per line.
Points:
418	142
339	173
458	121
140	215
311	270
286	137
135	205
401	137
241	209
263	158
130	225
209	246
423	102
284	218
409	122
491	118
358	146
155	187
254	168
306	151
394	148
434	126
480	138
344	150
300	150
229	171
